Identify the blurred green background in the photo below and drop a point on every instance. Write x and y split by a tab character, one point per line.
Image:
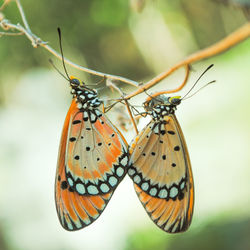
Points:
114	37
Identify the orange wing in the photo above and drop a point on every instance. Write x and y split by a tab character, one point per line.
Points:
96	154
161	170
75	210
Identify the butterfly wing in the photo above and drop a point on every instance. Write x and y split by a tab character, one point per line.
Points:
77	202
161	170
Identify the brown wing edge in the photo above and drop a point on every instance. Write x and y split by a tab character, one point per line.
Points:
189	172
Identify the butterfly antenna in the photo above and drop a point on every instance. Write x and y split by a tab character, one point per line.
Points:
199	89
54	66
60	43
208	68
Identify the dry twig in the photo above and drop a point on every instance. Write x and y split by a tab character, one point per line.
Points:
36	41
236	37
231	40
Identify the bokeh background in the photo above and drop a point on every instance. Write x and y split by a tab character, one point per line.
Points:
135	39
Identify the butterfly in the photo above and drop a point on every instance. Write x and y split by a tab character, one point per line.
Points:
160	167
92	161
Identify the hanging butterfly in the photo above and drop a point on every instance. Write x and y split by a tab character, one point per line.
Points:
161	169
160	166
92	161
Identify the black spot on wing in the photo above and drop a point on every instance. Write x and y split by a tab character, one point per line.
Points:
180	195
171	132
76	122
64	185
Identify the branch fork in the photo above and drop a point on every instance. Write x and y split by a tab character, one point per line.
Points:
231	40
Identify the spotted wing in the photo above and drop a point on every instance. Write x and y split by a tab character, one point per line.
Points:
96	154
75	211
161	170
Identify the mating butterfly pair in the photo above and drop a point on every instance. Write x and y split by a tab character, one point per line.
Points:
93	159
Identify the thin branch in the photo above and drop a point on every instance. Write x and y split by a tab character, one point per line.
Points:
111	85
20	8
90	71
5	3
221	46
183	83
231	40
36	41
131	116
11	34
172	90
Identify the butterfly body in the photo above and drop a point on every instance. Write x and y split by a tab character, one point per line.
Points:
160	167
92	160
86	98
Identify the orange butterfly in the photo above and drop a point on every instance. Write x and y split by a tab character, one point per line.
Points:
160	167
92	161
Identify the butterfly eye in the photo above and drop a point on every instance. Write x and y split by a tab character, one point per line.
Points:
175	100
75	82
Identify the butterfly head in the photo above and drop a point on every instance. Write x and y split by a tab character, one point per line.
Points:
75	83
174	100
161	106
86	97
